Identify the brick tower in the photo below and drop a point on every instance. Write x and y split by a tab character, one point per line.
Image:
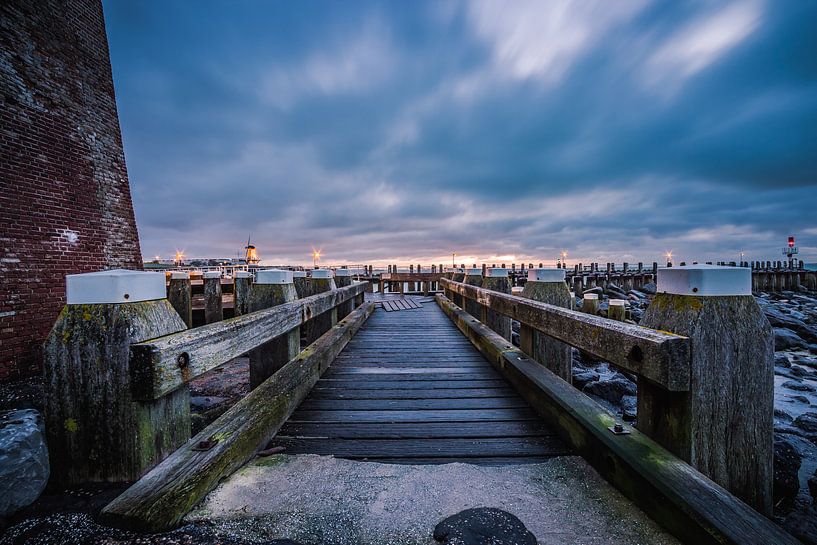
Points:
65	203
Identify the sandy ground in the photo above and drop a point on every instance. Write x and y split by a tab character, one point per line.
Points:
321	499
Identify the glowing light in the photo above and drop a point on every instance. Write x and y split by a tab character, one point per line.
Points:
179	259
316	256
668	255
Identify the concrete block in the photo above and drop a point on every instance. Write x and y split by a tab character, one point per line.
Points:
705	280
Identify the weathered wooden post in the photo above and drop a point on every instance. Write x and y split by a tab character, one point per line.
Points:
212	297
723	425
96	431
547	286
180	296
241	292
473	277
590	303
616	310
343	278
271	288
301	283
321	281
497	280
578	284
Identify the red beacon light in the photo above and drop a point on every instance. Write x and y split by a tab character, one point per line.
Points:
791	242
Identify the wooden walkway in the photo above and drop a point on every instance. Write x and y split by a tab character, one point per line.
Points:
410	388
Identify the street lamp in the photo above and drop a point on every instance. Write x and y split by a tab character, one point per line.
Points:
316	256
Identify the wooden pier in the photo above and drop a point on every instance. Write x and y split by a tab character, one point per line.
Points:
341	371
409	388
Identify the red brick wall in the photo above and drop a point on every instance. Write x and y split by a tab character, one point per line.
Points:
65	204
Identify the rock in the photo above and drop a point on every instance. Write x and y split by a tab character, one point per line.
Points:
802	524
807	422
24	465
598	290
801	399
787	460
582	378
649	288
483	526
798	386
812	488
783	415
786	339
798	371
782	361
612	390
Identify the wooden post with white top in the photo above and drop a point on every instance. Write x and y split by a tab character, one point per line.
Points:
498	280
547	286
96	431
723	425
473	277
321	281
241	292
343	278
180	296
213	311
273	287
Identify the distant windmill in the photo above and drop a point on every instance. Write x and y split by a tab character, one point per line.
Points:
251	254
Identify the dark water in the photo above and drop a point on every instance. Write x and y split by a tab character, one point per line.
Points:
811	266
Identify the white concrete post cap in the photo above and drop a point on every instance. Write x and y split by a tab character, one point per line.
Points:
591	296
473	272
343	272
298	274
498	273
115	286
546	275
212	274
179	275
705	280
516	290
321	273
243	274
617	302
273	276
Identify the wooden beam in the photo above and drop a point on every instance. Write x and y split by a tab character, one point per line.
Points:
163	364
160	499
658	356
669	490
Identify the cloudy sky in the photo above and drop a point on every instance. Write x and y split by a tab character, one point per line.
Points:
502	131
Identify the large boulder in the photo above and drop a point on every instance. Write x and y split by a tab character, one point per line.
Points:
24	465
807	422
649	288
483	526
787	460
612	389
786	339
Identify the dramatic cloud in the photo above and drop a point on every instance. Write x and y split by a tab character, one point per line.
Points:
404	132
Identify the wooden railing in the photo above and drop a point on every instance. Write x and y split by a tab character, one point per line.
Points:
159	366
705	393
663	358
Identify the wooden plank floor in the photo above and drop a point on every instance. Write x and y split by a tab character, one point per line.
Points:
410	388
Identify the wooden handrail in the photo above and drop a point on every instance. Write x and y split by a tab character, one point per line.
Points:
660	357
161	365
